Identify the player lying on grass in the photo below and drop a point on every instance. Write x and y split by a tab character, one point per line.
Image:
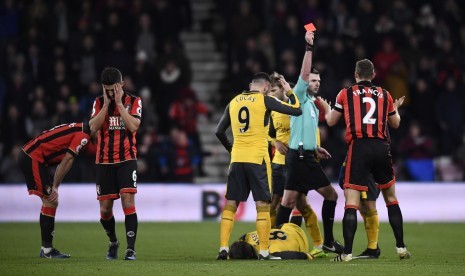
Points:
288	242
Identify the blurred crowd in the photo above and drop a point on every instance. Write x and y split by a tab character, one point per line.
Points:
417	48
52	53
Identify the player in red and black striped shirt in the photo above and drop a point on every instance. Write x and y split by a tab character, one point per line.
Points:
59	145
367	110
116	116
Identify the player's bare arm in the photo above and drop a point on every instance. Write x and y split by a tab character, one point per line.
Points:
96	122
332	116
221	128
307	61
394	119
60	173
131	123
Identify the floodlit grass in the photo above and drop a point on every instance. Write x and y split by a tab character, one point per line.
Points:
191	248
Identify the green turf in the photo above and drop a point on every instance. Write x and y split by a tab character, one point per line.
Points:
190	248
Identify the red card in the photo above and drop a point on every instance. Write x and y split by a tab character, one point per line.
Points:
310	27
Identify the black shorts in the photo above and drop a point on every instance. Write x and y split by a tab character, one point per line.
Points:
373	192
116	179
370	156
279	178
246	177
37	178
304	174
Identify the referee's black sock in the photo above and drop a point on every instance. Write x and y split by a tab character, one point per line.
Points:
108	223
131	226
396	220
349	226
283	215
327	215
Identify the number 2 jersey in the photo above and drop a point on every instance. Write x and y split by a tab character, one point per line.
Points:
289	238
50	146
115	143
248	114
366	108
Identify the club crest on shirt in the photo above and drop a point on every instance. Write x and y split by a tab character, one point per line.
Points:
115	123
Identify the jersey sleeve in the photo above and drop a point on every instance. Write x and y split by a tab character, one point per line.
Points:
78	143
390	105
340	99
292	108
300	89
95	108
136	109
221	128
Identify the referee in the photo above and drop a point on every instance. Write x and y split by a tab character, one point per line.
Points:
304	172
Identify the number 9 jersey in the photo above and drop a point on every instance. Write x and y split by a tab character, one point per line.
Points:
249	125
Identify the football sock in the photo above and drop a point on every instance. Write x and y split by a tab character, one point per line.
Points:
273	218
47	225
296	217
108	223
327	215
226	225
282	215
263	225
349	226
372	228
311	223
396	222
131	226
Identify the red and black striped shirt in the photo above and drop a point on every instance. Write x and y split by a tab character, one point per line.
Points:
51	145
366	108
115	143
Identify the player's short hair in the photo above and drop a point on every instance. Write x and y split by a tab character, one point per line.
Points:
262	76
275	77
240	250
111	75
86	127
314	71
365	69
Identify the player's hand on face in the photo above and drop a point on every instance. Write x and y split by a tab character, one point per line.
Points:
118	93
285	85
398	102
309	37
281	147
106	99
322	153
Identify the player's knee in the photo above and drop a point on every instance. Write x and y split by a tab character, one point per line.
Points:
331	195
289	202
127	200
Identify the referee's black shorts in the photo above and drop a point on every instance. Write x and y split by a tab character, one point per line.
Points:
246	177
304	174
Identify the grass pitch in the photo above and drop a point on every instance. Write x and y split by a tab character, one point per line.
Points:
191	248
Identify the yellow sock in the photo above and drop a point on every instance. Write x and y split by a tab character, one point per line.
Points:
263	226
372	228
226	225
273	218
311	223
